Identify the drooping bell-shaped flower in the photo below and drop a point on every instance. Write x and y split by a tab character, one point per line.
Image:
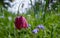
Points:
21	22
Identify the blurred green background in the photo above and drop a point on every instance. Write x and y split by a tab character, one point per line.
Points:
38	14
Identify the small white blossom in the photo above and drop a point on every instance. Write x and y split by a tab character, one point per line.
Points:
1	16
10	18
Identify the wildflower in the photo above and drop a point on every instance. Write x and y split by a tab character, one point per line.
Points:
21	22
1	16
40	26
10	18
35	30
54	1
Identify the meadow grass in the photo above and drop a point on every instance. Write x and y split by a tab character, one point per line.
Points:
51	22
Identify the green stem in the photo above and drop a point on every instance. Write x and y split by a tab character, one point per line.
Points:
52	32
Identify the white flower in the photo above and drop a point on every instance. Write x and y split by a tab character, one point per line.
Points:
18	3
1	16
10	18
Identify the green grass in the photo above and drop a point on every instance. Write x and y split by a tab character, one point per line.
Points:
51	23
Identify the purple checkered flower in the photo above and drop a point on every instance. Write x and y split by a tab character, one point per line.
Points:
40	26
35	31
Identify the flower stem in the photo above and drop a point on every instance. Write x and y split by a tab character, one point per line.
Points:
52	32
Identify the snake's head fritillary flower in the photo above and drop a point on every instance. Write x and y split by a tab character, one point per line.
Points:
21	22
40	26
35	31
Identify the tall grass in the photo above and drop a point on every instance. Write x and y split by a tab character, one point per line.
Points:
7	29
